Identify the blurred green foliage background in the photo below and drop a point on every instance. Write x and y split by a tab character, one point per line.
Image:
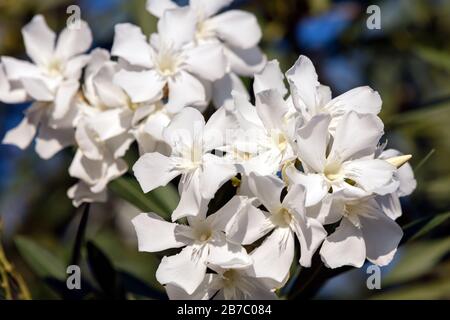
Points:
407	61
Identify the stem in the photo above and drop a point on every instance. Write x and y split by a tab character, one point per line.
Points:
76	253
424	160
8	273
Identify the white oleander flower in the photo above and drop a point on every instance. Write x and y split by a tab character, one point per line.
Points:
365	231
237	31
171	65
204	241
227	284
267	132
52	81
285	219
341	163
107	125
311	98
202	173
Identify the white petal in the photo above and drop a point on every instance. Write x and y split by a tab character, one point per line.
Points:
249	225
224	219
310	232
259	290
207	8
367	127
120	144
111	123
185	270
344	247
312	142
245	62
273	258
330	210
226	254
74	66
154	170
303	79
85	137
223	88
207	61
39	40
73	41
267	189
404	174
155	234
315	184
270	77
22	135
96	173
184	90
17	69
140	86
271	109
310	235
37	89
215	172
237	28
390	204
10	93
157	7
98	57
381	235
64	98
370	174
185	127
177	27
51	141
205	291
219	128
191	202
408	183
110	94
130	44
361	100
80	193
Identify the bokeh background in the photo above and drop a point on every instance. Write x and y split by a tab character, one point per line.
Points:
407	61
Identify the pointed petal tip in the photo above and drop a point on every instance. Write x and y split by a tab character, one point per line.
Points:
400	160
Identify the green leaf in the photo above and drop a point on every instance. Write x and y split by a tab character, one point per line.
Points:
416	259
104	272
432	224
166	197
424	291
40	260
427	113
436	58
161	201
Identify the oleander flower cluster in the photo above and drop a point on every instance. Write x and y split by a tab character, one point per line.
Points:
304	167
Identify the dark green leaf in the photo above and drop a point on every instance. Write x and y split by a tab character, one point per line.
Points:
161	201
104	273
416	259
431	224
40	260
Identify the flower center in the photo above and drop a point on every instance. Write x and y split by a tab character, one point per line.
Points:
351	213
204	234
280	140
54	68
229	278
282	217
168	62
204	30
333	171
